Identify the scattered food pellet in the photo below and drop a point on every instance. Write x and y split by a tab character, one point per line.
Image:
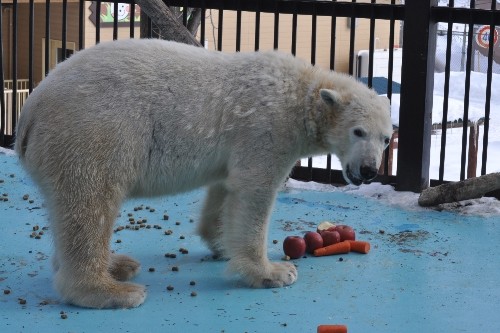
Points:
182	237
165	217
35	228
170	288
192	283
6	291
381	231
130	214
175	269
184	251
168	232
152	210
275	241
341	259
151	269
64	316
12	175
177	223
26	197
118	240
193	293
22	301
31	201
38	237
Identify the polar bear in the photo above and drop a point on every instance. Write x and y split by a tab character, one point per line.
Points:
149	117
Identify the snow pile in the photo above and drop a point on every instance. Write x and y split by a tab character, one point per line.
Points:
386	194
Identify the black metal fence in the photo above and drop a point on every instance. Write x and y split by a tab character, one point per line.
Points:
412	25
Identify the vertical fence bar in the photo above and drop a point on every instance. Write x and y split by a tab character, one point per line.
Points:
81	9
132	20
276	26
352	39
257	27
238	28
294	31
415	122
465	125
388	151
202	23
31	43
115	20
333	38
371	46
185	13
219	29
47	37
487	106
64	28
3	123
98	22
447	69
14	65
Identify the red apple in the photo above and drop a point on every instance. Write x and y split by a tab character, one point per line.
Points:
323	226
313	241
294	246
346	232
330	237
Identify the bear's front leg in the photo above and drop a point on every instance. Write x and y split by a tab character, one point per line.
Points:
245	226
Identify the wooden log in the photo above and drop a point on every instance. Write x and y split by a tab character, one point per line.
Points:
471	188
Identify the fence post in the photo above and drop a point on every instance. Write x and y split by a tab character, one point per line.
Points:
415	119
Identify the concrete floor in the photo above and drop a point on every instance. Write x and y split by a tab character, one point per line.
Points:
428	271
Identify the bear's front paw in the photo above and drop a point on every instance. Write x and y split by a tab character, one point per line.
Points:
281	274
269	275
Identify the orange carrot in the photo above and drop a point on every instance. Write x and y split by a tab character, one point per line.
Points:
332	329
359	246
339	248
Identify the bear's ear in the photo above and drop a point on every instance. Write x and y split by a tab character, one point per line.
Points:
330	97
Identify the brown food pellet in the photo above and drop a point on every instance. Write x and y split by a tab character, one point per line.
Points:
165	217
22	301
182	237
177	223
6	291
151	269
175	269
170	288
275	241
152	210
381	231
130	214
38	237
193	293
26	197
64	316
184	251
118	240
40	233
148	226
192	283
35	228
31	201
168	232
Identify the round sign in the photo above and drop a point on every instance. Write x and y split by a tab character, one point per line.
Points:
483	36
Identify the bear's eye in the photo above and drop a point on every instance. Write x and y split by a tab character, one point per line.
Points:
359	133
387	141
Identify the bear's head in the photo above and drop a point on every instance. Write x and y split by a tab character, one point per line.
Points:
358	129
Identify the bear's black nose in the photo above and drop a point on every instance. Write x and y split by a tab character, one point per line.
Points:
368	172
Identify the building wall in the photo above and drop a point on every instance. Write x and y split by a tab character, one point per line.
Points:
304	35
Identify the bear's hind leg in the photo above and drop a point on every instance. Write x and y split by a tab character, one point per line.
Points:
87	272
123	267
210	227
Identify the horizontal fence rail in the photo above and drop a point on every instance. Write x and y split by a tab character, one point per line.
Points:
293	26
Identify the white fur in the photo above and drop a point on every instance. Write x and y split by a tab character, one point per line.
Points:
149	117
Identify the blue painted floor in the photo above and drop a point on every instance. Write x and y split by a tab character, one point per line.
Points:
428	271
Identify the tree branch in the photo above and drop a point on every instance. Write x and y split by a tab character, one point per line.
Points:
168	25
